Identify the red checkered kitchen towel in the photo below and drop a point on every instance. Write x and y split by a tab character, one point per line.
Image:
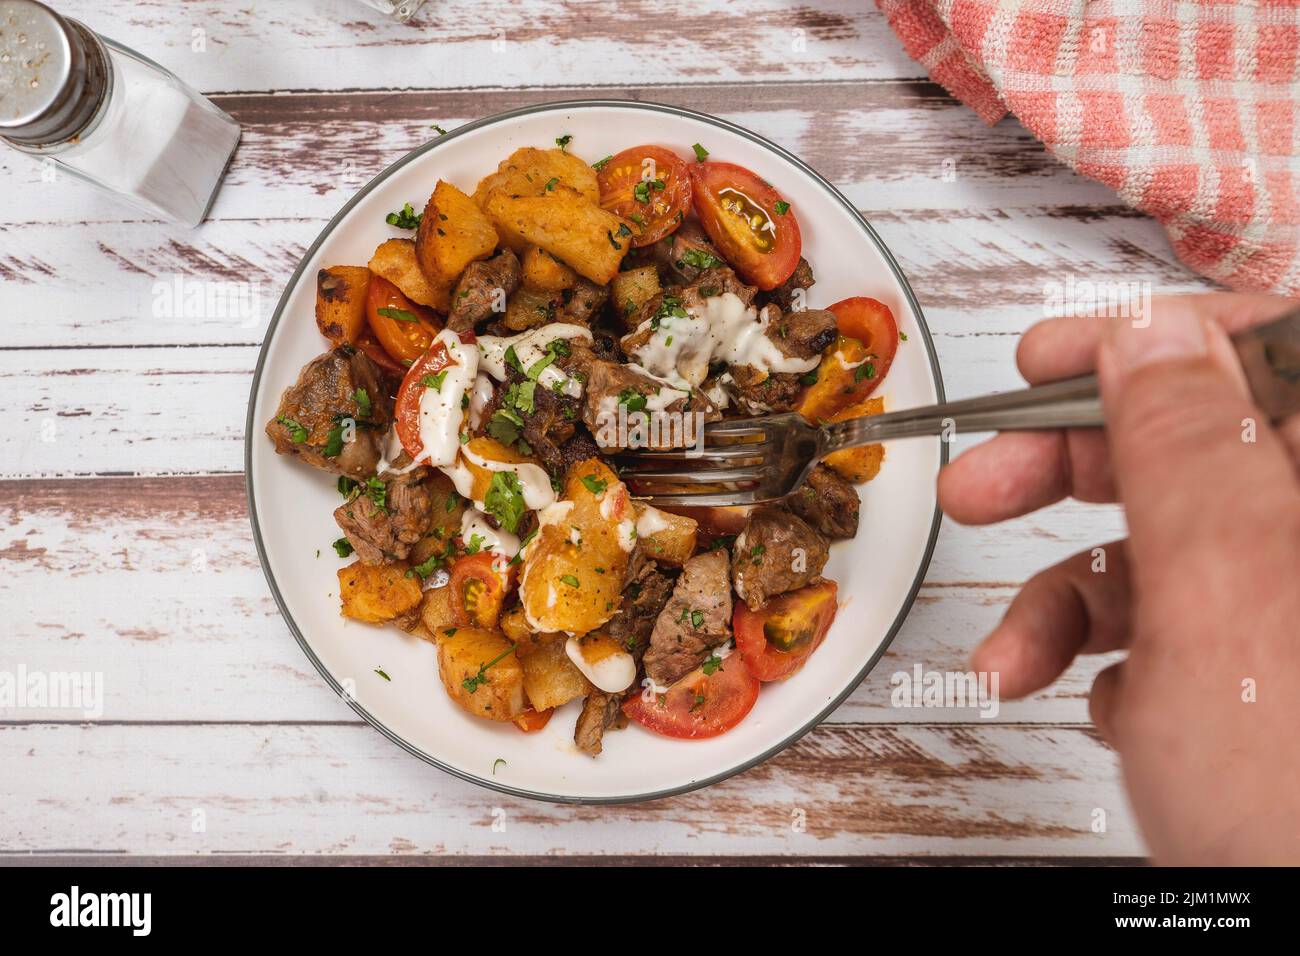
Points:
1188	109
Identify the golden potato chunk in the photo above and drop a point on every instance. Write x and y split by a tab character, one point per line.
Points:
377	593
341	302
531	172
453	233
542	272
574	569
567	225
550	678
665	537
395	261
632	289
481	673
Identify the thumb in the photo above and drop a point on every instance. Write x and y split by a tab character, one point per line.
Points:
1202	475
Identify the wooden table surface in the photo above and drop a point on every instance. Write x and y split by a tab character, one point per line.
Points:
126	548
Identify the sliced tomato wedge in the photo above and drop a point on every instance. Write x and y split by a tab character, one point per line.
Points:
407	412
648	186
860	361
531	721
403	328
752	226
370	345
776	641
479	584
699	705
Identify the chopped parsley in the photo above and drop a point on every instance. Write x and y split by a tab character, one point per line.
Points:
866	370
434	381
700	259
346	486
697	619
438	129
563	141
712	665
334	440
362	398
756	554
569	579
902	335
701	154
633	399
401	315
809	379
296	431
782	207
593	484
380	672
504	500
343	547
471	684
550	183
601	163
407	218
475	544
641	191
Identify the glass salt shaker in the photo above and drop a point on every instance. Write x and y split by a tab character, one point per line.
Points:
108	115
401	10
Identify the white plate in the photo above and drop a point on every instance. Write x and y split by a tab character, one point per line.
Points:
878	572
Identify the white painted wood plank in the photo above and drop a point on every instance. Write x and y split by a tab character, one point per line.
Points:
889	791
340	45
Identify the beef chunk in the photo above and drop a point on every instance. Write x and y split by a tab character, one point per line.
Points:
801	278
476	292
383	524
311	421
776	552
685	254
644	597
550	425
583	303
696	619
828	503
600	712
803	335
756	394
610	384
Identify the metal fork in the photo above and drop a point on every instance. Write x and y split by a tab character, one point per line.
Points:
751	460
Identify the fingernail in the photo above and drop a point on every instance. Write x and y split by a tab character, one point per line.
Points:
1175	335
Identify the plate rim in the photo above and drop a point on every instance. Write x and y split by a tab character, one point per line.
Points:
250	430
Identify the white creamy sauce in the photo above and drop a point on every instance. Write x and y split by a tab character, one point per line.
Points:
651	521
496	540
479	398
441	415
724	329
611	673
530	348
533	479
389	451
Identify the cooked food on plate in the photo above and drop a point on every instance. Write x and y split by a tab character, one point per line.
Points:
487	364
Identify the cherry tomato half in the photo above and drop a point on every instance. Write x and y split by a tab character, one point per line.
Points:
479	584
699	705
407	412
650	187
776	641
861	358
531	721
403	328
753	227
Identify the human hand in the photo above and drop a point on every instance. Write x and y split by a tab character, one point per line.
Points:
1204	594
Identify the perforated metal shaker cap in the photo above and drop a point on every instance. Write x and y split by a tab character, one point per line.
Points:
53	74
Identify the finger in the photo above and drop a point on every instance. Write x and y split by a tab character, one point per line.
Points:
1103	700
1191	485
1080	606
1015	473
1065	347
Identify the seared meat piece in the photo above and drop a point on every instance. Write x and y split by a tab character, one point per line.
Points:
776	552
384	524
644	597
687	253
805	334
828	503
755	394
716	281
311	421
610	385
550	425
476	292
801	278
600	711
583	303
696	619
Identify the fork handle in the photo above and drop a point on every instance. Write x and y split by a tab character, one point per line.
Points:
1069	403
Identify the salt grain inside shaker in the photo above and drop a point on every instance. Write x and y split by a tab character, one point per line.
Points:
108	115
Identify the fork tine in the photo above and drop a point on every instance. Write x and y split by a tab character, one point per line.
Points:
703	500
702	476
735	427
711	453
